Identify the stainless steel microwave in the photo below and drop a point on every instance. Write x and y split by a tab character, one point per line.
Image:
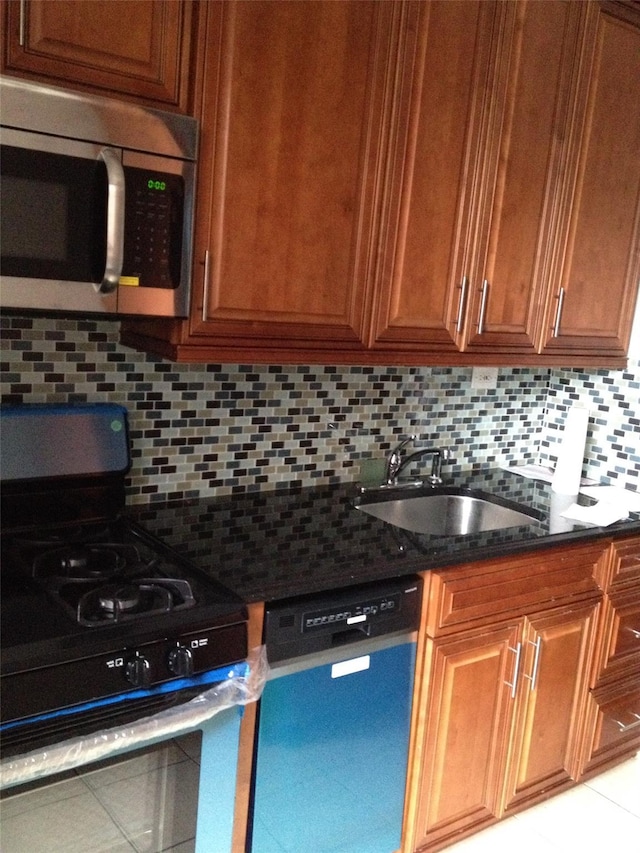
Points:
97	201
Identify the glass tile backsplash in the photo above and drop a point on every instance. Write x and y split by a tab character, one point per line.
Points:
204	430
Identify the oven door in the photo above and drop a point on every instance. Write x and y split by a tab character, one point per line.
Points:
177	794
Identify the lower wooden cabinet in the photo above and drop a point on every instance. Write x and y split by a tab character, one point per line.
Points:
500	714
504	719
528	682
613	725
612	731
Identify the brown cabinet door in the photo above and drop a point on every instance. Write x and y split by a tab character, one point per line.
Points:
468	719
138	48
551	702
292	122
595	280
443	69
518	178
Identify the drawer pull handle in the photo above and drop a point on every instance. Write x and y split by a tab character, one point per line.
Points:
635	632
514	684
533	678
625	727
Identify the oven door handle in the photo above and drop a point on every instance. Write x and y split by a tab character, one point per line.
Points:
115	221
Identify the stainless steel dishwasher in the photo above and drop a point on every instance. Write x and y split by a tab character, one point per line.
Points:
333	731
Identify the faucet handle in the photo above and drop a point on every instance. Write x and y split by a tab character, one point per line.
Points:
394	459
442	454
403	443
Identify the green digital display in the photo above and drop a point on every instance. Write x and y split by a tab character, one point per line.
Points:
156	185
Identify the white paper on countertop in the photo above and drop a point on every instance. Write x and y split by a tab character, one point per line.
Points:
623	499
540	472
600	514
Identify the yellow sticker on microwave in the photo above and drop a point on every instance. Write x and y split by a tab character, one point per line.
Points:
129	280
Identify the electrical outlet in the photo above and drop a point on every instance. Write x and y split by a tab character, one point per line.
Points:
484	377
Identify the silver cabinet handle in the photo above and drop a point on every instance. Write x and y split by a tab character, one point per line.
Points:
514	684
461	304
23	23
635	632
559	307
483	306
533	678
115	221
205	285
625	727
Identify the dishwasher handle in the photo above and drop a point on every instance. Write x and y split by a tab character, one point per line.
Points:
350	635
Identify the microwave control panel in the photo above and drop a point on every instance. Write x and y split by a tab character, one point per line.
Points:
153	228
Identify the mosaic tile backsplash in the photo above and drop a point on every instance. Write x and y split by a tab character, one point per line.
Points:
205	430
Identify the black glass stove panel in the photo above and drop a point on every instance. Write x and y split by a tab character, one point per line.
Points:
98	580
97	610
80	589
102	582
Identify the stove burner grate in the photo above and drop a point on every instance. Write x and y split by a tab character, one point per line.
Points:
123	602
84	562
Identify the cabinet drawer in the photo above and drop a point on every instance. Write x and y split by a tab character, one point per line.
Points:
613	725
625	562
620	645
476	594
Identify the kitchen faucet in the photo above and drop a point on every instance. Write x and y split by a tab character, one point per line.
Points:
398	460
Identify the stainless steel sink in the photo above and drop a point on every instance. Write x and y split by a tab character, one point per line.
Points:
441	514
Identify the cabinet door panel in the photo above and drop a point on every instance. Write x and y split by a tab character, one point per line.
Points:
468	719
600	269
552	696
290	150
132	47
423	249
526	124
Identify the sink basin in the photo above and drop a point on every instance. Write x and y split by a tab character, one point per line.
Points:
445	514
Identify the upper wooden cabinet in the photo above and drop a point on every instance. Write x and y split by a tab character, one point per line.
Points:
289	174
414	182
518	188
595	275
134	48
487	101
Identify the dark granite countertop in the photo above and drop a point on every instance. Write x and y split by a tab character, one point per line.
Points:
273	545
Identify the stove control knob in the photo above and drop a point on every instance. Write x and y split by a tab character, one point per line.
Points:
138	671
180	661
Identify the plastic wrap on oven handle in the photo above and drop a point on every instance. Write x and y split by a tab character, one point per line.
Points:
243	684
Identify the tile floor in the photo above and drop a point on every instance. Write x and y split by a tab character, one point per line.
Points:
145	803
600	816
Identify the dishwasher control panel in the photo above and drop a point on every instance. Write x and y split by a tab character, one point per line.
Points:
314	623
355	614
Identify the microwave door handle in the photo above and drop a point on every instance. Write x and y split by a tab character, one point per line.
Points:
115	221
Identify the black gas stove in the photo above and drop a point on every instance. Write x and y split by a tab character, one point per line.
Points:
100	621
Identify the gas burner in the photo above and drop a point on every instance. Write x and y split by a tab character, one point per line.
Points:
119	599
85	562
127	601
61	536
